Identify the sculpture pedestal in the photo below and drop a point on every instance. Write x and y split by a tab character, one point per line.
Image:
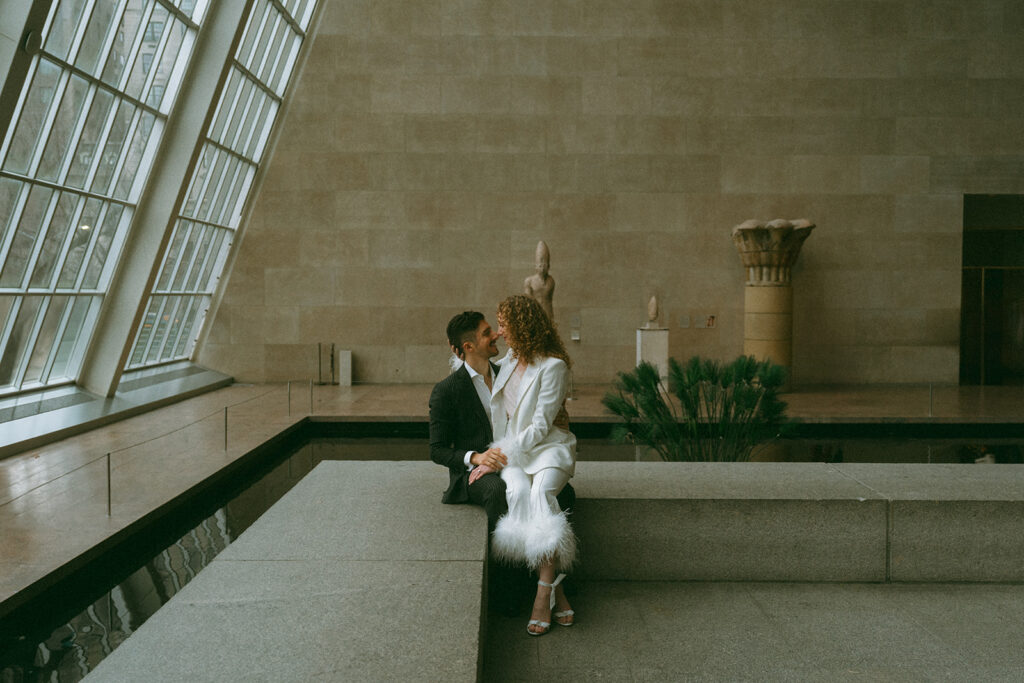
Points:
652	346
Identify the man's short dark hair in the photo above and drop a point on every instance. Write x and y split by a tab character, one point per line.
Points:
462	328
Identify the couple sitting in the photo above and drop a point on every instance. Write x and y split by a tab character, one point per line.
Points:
502	431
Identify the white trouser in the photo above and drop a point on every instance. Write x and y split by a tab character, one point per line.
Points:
534	530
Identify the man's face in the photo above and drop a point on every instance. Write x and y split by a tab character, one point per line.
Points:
485	342
542	266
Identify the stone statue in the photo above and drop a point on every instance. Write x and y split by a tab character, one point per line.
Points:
652	313
540	285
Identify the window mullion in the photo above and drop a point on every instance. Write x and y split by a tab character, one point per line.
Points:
241	121
200	233
178	259
133	52
158	55
101	144
175	310
76	135
83	26
44	375
37	247
68	239
157	321
129	138
12	318
87	257
15	219
31	340
47	128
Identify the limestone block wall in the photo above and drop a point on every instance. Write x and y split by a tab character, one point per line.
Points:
431	143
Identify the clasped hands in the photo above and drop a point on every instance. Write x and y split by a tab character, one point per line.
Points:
490	460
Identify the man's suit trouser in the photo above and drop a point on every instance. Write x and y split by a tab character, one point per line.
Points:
489	493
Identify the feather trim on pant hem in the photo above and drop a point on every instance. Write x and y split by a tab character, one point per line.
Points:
535	541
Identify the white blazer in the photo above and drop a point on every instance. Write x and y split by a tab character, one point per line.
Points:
528	437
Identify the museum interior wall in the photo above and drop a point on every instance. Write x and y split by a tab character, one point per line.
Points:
431	144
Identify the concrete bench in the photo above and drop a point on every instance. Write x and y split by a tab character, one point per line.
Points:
800	522
360	573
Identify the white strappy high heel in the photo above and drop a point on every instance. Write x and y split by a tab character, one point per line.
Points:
546	625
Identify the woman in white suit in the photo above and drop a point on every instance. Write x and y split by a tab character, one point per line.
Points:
531	429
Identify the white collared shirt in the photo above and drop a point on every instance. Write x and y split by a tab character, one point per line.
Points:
483	393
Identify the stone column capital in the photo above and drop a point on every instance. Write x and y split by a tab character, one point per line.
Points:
769	250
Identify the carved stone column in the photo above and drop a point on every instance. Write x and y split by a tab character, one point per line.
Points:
768	252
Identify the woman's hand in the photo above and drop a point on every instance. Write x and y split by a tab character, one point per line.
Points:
479	471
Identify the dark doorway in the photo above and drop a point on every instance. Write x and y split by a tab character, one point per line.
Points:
992	294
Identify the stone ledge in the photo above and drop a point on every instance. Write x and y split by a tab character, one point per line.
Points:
800	522
358	573
355	572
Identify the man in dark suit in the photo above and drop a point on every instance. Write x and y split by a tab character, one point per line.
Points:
460	426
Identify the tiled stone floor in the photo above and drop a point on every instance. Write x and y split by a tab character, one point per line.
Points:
657	631
53	500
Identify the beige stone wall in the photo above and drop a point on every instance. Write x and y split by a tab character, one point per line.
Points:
432	143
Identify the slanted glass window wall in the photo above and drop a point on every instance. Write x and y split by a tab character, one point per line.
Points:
73	163
219	188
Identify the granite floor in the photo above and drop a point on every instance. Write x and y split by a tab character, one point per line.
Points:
658	631
53	499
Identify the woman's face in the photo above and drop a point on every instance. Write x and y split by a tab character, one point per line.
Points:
503	329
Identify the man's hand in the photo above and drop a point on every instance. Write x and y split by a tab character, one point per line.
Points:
492	458
478	472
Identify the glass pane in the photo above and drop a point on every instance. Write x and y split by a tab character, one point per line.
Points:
270	35
268	61
260	14
19	340
198	180
145	330
33	116
184	345
212	181
61	131
96	36
112	147
149	44
160	331
245	96
66	23
25	238
45	339
158	84
227	100
202	253
196	9
224	192
211	269
123	50
107	245
85	154
261	131
187	252
180	311
10	194
85	230
5	310
171	257
133	158
72	332
279	79
53	242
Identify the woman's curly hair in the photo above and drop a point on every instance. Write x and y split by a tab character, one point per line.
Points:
529	332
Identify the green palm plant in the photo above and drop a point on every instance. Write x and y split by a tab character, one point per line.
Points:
714	413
